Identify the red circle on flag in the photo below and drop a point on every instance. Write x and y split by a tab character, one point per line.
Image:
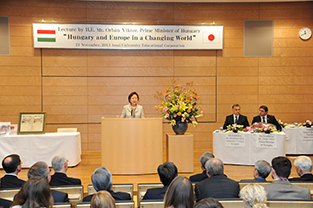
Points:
211	37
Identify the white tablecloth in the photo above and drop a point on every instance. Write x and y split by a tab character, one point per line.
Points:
247	148
299	140
42	147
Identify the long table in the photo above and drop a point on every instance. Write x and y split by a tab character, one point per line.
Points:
299	140
247	148
42	147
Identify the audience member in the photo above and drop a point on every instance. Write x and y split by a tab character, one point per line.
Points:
253	196
41	169
167	172
303	166
102	199
199	177
236	118
208	203
60	166
261	170
217	185
281	188
265	118
12	166
101	180
34	193
179	194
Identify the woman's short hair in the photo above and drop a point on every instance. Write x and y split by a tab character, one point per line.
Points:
254	194
208	203
34	193
179	194
102	199
131	94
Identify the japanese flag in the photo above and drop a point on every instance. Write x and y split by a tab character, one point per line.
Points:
211	37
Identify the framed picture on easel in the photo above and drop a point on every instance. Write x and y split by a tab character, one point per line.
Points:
32	123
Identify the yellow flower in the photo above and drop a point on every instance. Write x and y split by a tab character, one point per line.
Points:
179	113
176	91
173	122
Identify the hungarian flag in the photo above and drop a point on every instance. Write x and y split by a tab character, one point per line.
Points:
211	37
46	35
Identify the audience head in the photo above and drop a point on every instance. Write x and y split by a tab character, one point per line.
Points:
236	109
101	179
59	163
204	158
263	110
102	199
253	195
208	203
167	172
12	164
34	193
214	166
281	167
179	194
303	165
39	169
262	168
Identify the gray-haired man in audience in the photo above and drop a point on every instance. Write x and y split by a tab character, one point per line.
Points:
201	176
303	166
102	181
60	166
261	170
41	169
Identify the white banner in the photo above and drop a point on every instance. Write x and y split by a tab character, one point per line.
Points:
94	36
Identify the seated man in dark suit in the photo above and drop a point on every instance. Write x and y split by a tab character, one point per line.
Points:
236	118
60	166
201	176
261	170
41	169
303	166
281	188
12	166
265	118
167	172
217	185
101	180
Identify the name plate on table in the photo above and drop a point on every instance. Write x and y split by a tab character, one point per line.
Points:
235	140
266	141
308	134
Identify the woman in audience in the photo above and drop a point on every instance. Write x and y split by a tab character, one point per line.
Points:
102	199
179	194
253	196
208	203
34	193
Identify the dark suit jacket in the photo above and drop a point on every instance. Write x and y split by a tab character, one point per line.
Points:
198	177
10	181
304	177
59	196
218	186
59	179
155	193
115	195
242	120
5	203
270	119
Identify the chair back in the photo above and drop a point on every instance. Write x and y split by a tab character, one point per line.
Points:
118	204
243	184
147	203
75	192
62	205
8	193
143	187
127	188
66	130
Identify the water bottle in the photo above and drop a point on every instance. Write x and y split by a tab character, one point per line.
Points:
221	128
296	123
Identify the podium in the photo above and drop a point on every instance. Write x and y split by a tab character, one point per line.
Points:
180	151
132	145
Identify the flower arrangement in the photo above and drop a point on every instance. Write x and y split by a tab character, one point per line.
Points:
307	123
261	128
234	128
179	104
282	123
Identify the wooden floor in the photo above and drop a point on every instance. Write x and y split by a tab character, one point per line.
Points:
92	160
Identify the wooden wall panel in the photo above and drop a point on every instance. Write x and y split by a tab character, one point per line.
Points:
77	87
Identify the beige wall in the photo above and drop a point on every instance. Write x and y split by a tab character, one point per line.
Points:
77	87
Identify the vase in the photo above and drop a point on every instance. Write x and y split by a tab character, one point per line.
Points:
308	125
180	128
267	132
235	131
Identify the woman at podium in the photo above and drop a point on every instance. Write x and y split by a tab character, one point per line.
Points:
133	110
